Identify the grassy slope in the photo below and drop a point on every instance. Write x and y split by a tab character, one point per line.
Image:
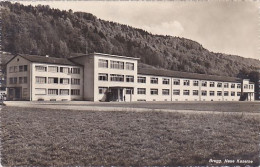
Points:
54	137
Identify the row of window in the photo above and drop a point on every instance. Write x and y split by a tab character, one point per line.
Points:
154	80
20	68
56	69
115	77
115	64
43	91
20	80
56	80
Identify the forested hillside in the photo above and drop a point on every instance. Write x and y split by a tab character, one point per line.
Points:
45	31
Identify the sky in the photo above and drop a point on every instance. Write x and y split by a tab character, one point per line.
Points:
230	27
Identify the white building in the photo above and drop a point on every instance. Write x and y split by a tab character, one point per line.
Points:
104	77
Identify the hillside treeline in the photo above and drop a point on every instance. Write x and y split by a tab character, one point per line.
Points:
44	31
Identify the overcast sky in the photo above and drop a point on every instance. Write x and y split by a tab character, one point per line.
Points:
220	26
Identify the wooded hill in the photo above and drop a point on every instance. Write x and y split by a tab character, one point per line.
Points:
44	31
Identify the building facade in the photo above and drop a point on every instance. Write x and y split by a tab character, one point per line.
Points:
104	77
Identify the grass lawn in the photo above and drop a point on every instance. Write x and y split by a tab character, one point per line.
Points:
45	137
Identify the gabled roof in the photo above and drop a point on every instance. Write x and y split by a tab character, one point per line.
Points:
44	59
178	74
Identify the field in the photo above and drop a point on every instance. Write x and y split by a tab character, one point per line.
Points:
48	137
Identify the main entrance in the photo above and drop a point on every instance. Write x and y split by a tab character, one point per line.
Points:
14	93
119	94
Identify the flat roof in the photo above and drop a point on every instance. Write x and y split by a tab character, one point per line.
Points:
103	54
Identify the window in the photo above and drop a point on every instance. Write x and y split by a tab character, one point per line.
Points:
233	93
116	77
41	80
53	91
129	66
64	70
102	77
251	86
52	80
219	85
40	91
219	93
225	93
129	91
75	81
75	92
102	90
212	84
176	82
195	83
116	64
154	80
186	92
166	81
239	86
25	68
129	78
211	93
186	82
25	80
154	91
176	91
11	69
233	85
11	80
53	69
141	79
40	68
20	80
15	80
141	91
103	63
75	70
64	80
195	92
64	91
15	69
20	68
165	92
238	93
246	86
204	93
225	85
25	92
204	83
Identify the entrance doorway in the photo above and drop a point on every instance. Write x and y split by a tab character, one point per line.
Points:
14	93
116	94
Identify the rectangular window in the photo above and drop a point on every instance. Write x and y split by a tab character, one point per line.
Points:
212	84
75	70
102	77
15	80
116	78
176	82
40	91
129	66
75	92
25	68
154	80
238	93
246	86
52	91
195	92
25	80
186	82
40	68
219	85
64	81
219	93
103	63
25	92
212	93
52	80
75	81
186	92
116	64
141	91
154	91
129	91
225	93
11	80
64	70
141	79
15	69
11	69
176	91
20	68
233	85
41	80
20	80
204	83
233	93
53	69
204	93
166	81
239	86
64	91
225	85
195	83
165	92
102	90
129	78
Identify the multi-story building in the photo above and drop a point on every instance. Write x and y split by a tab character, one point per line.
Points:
104	77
